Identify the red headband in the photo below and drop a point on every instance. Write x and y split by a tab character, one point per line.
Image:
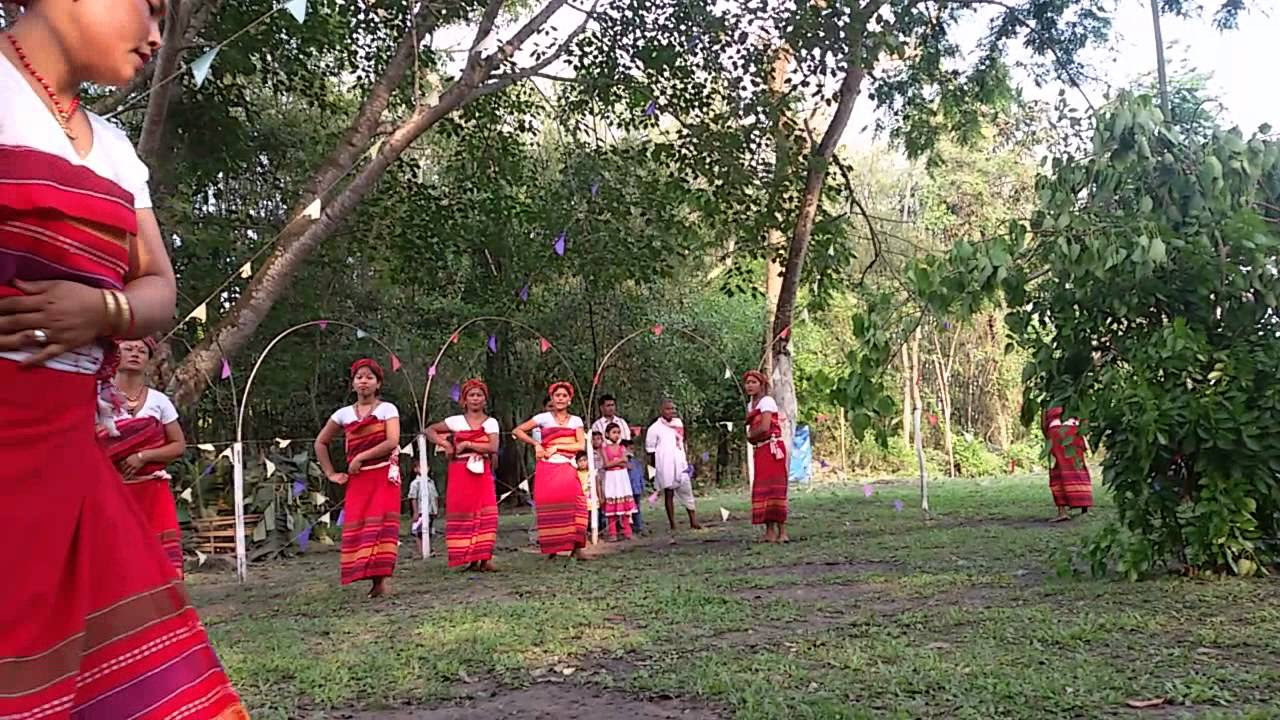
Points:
370	363
757	375
560	384
472	384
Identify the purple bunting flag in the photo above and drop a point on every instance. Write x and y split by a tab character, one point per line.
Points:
299	487
455	392
897	506
559	246
524	293
706	457
226	369
431	371
493	343
304	537
342	514
209	469
651	109
867	491
324	324
595	187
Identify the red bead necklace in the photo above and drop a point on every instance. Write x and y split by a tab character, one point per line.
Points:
62	116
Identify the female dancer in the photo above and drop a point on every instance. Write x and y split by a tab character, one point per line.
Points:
1069	478
769	490
471	501
149	439
619	504
371	533
559	504
97	625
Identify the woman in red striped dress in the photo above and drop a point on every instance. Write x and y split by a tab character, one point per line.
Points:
94	623
764	432
371	529
558	501
469	441
149	439
1068	473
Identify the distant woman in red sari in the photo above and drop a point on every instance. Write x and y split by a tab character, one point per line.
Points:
764	433
149	439
559	503
371	529
1068	474
469	440
93	621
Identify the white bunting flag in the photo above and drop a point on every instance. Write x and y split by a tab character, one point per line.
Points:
407	450
206	447
200	558
373	151
201	313
246	271
728	374
313	210
318	499
361	334
652	472
724	515
271	468
324	519
727	425
297	8
505	495
524	485
225	453
282	443
186	495
200	68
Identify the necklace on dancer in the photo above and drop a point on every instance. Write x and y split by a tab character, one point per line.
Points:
62	115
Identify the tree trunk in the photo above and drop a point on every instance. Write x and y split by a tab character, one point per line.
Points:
815	178
942	365
906	396
301	235
917	410
775	242
1161	79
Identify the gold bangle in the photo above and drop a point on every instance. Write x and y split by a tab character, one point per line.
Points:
109	301
126	313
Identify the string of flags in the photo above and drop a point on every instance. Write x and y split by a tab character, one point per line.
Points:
200	66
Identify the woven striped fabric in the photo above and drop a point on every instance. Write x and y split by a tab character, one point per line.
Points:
471	508
558	500
769	488
371	528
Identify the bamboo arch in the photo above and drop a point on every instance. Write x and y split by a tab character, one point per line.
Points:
237	449
658	331
422	407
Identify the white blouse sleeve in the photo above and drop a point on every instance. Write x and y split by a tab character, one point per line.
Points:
342	417
166	411
386	411
491	426
543	419
768	405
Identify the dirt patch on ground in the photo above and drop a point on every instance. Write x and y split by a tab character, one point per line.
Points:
548	701
808	570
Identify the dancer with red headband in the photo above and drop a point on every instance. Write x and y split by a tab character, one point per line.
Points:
148	438
469	441
94	623
1068	474
764	433
371	530
559	503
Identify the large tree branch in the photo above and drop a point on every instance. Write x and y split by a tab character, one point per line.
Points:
501	82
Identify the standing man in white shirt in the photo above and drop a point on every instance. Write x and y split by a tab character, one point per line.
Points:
664	441
608	415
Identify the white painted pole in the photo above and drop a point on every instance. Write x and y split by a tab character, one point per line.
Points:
591	491
237	465
424	486
751	465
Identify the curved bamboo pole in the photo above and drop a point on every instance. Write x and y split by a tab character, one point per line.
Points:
237	450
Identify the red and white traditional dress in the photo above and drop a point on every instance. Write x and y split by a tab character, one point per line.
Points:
371	524
558	500
144	429
471	498
1069	475
94	623
618	500
769	490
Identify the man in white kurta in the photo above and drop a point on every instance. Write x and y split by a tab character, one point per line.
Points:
664	442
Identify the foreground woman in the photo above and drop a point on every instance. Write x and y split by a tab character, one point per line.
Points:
469	441
371	531
1068	474
94	623
559	504
149	439
764	433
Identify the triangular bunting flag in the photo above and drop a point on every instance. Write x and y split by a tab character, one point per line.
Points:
493	343
342	514
651	108
786	332
206	447
727	425
728	374
395	363
226	369
299	487
595	380
282	443
200	558
318	499
297	8
868	491
201	313
304	537
524	293
657	330
186	495
225	453
543	345
324	519
271	468
595	187
455	392
706	456
524	485
453	338
407	450
361	334
313	210
559	245
505	495
431	371
200	68
324	324
246	271
897	506
724	515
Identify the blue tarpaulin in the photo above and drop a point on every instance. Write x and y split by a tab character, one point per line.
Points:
801	456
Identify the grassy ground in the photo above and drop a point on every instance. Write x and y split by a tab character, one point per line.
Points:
870	613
